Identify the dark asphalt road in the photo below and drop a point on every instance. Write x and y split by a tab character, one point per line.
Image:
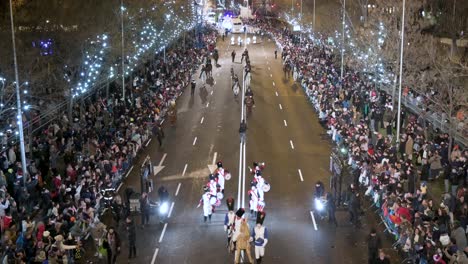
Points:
283	132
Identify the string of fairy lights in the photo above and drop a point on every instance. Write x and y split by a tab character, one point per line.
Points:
146	38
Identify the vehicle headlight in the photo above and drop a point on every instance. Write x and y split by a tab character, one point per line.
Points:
318	204
164	208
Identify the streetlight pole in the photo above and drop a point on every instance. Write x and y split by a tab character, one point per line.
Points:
401	71
123	48
18	99
343	40
313	18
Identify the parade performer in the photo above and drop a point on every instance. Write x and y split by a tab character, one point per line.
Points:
207	207
253	193
243	243
260	183
221	172
212	185
260	237
237	224
257	167
229	220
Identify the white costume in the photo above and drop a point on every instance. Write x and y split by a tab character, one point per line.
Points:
260	183
207	207
212	186
221	179
260	239
253	199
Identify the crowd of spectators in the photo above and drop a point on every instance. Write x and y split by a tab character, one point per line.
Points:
396	176
48	214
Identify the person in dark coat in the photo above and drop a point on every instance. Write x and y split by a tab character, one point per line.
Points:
373	245
131	237
331	207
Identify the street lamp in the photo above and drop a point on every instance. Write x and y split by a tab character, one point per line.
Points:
18	98
343	40
401	71
122	8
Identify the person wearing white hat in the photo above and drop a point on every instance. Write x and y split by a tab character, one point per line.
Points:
207	206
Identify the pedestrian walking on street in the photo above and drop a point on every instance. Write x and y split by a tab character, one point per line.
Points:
354	209
144	208
233	55
331	208
276	54
242	130
131	238
193	85
112	244
373	245
382	259
159	133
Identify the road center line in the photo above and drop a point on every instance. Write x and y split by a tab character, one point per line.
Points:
147	143
313	220
170	210
154	256
130	170
292	145
300	174
285	124
185	169
163	232
162	159
195	141
178	188
276	93
203	118
281	107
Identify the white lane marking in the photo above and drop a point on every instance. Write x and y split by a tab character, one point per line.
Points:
130	170
154	256
240	176
178	188
195	141
163	232
269	69
120	186
147	143
203	118
211	93
170	210
216	75
276	93
207	104
285	124
214	157
274	84
292	145
185	169
300	174
281	107
162	159
313	220
271	75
